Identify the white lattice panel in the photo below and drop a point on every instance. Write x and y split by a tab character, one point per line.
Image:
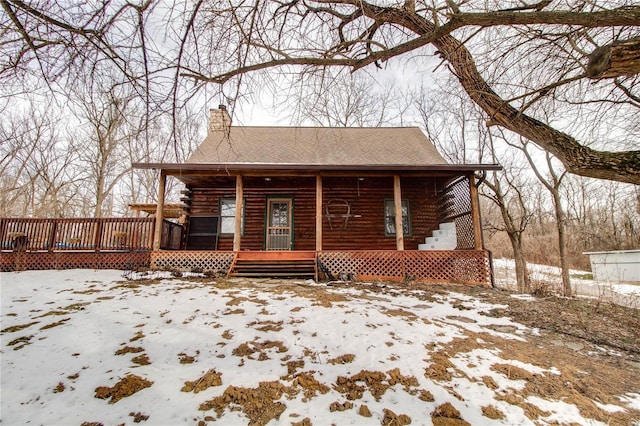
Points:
460	266
192	260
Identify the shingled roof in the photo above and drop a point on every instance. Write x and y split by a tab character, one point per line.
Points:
335	146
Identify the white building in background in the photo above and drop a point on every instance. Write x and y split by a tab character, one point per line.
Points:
615	266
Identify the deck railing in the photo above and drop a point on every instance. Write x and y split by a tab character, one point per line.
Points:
84	234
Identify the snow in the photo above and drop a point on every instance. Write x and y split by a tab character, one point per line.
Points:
170	317
632	400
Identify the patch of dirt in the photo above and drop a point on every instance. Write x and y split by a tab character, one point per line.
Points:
265	326
439	369
407	382
447	415
342	359
292	366
209	379
513	372
90	291
337	406
319	295
249	348
139	335
127	386
187	359
530	410
260	404
76	306
376	382
309	385
364	411
21	342
19	327
400	313
426	396
54	324
59	388
235	301
392	419
492	412
129	350
141	360
139	417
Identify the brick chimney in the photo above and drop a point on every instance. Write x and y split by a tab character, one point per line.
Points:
220	120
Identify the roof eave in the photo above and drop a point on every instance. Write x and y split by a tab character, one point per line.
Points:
171	168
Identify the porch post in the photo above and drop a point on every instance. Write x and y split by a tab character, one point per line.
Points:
318	213
237	228
157	230
475	213
397	201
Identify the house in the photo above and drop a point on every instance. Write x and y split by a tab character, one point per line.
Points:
371	203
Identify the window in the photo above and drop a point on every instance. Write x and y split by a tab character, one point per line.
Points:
228	216
390	218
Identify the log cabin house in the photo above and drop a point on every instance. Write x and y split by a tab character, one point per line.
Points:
365	203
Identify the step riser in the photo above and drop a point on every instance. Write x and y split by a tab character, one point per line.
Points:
275	268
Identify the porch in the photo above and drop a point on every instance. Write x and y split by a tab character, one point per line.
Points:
471	267
125	243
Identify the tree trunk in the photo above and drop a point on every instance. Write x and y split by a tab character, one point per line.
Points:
562	244
522	274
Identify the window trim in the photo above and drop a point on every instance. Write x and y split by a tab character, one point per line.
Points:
222	200
405	203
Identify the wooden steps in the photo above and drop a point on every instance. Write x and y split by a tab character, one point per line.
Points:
275	265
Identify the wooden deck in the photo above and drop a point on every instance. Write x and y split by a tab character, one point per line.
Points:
126	243
96	243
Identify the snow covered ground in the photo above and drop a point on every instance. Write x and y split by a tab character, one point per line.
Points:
88	347
581	282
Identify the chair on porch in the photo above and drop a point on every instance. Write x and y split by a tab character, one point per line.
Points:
203	233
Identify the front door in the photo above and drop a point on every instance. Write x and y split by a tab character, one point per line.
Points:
279	224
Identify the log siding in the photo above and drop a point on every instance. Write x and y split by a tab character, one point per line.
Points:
365	230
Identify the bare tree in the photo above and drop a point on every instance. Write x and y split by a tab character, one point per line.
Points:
109	124
39	177
552	183
508	198
344	100
510	57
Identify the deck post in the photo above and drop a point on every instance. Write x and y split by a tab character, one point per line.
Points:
51	238
397	201
237	229
97	238
475	213
318	213
157	230
3	230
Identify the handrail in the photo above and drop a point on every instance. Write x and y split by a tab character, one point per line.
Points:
77	234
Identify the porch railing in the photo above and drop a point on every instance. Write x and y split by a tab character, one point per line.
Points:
85	234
